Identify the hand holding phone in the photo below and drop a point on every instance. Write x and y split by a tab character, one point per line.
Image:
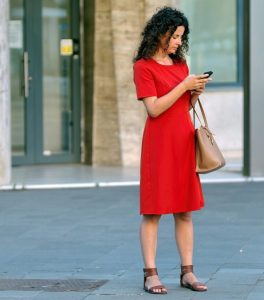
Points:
208	73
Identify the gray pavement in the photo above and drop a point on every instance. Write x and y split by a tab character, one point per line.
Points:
93	234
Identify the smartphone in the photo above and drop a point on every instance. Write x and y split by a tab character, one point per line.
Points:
209	73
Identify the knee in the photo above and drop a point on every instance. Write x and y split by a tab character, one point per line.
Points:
151	218
183	217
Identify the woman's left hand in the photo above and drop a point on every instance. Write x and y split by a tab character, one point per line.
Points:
199	91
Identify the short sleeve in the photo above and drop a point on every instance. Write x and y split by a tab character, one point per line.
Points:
144	81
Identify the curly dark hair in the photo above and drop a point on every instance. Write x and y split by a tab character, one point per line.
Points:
165	20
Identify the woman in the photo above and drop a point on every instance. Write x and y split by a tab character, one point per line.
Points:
168	181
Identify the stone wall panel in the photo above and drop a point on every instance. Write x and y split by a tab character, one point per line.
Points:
5	151
106	140
127	25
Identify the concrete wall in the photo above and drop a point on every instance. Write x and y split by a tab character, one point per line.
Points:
224	111
5	153
255	83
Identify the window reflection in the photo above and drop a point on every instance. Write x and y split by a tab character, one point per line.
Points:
56	77
213	37
16	29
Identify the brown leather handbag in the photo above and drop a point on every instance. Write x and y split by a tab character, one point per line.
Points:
208	156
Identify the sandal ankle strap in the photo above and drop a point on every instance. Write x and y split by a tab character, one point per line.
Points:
150	272
186	269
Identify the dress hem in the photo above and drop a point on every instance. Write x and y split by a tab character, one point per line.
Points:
172	212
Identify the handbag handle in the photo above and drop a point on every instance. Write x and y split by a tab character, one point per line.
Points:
203	114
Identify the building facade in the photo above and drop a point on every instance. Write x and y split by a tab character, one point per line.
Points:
67	93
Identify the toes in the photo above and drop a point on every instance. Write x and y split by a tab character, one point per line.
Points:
202	287
159	290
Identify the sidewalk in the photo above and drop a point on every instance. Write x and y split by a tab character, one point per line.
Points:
92	235
83	176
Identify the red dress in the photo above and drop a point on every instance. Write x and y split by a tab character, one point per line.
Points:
168	181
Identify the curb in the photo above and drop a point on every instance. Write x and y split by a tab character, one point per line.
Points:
20	186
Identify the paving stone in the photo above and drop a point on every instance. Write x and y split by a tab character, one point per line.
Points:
256	293
18	295
61	296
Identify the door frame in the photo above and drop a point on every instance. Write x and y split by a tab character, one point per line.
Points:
34	103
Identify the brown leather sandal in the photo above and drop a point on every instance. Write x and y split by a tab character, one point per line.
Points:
195	286
151	272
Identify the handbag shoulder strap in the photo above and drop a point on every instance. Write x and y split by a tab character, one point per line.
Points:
203	114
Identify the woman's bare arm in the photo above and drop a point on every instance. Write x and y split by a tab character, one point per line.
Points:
156	106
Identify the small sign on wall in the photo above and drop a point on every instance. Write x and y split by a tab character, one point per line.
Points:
66	47
16	34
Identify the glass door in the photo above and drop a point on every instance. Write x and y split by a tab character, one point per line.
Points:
18	104
45	81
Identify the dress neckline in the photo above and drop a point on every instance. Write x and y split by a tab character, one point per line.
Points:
166	66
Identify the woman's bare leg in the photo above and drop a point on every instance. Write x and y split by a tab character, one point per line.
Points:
184	240
148	239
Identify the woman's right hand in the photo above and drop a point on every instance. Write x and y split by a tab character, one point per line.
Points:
195	82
